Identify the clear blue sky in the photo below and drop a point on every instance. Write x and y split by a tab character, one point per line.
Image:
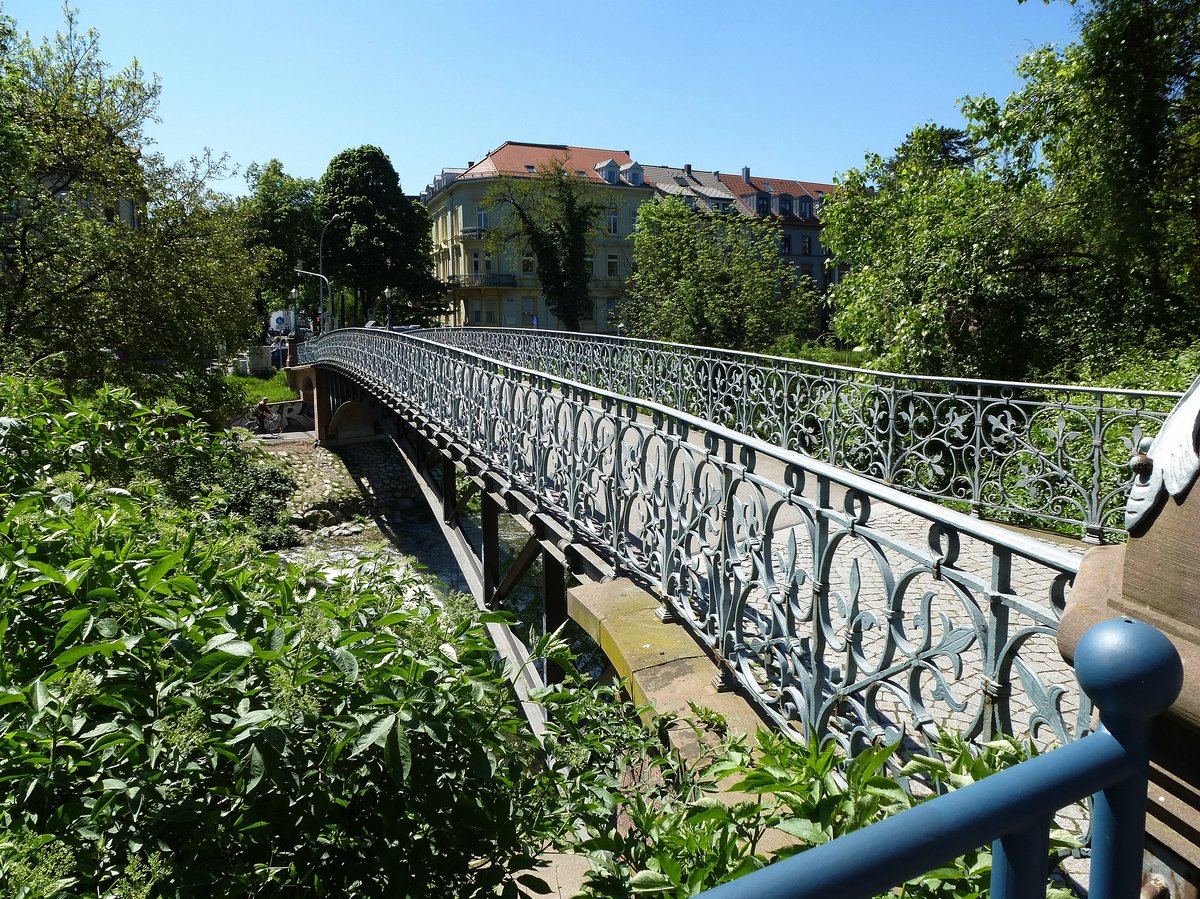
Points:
793	90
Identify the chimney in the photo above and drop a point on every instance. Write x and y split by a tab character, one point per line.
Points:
471	163
717	175
746	173
687	169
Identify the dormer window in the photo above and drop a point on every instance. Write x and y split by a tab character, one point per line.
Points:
632	172
763	204
806	208
609	171
785	204
531	169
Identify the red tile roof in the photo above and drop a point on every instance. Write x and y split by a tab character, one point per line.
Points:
511	158
774	186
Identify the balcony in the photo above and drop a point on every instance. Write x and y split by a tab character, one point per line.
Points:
482	280
473	233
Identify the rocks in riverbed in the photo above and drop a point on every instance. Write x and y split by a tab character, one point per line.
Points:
336	491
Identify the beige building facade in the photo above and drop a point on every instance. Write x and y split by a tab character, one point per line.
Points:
502	289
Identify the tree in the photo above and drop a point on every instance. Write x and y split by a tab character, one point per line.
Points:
713	279
1063	237
383	238
1112	126
552	216
949	265
117	266
284	217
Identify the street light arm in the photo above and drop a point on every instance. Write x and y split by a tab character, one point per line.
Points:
300	271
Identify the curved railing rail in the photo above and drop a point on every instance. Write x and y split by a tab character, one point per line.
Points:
844	607
1134	673
1042	455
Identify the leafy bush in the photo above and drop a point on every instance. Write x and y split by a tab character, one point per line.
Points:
671	836
183	716
112	440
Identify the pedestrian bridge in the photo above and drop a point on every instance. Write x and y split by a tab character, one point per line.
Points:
760	500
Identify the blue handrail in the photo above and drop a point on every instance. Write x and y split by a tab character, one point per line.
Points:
1133	673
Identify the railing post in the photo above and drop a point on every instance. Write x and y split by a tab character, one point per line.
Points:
1019	863
996	694
976	468
1132	672
1093	525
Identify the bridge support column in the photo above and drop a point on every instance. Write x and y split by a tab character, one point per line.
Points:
490	520
554	604
449	491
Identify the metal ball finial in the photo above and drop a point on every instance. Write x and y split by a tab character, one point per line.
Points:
1128	668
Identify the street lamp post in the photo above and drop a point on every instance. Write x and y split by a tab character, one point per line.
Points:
325	285
321	266
295	313
387	295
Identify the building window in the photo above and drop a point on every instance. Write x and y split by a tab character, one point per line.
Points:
531	169
763	205
477	313
806	208
805	246
785	205
527	265
487	262
613	269
481	218
612	221
475	263
787	245
633	220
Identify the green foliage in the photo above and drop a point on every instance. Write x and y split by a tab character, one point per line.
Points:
117	266
825	354
252	388
286	229
553	216
713	280
670	836
383	239
937	283
1146	368
1060	235
114	441
181	716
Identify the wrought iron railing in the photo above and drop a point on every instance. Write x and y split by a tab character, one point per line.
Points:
1041	455
1133	673
482	280
844	607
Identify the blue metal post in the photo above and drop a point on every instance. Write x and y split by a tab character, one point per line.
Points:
1111	662
1019	863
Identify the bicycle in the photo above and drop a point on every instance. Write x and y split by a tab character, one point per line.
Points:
271	424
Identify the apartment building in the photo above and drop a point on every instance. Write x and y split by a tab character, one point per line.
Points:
796	206
501	288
